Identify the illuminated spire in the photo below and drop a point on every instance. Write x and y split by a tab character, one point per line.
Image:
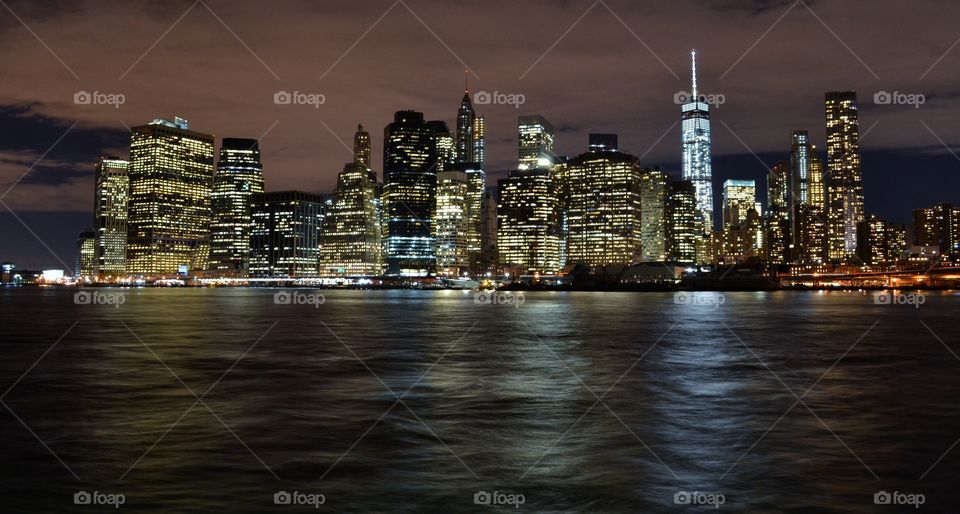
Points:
466	77
693	60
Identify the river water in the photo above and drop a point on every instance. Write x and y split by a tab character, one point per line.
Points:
226	400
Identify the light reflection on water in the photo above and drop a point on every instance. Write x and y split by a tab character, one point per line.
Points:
501	397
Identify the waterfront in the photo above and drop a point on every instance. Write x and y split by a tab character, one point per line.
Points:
495	396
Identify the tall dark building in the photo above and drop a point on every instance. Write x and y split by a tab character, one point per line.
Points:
361	147
285	238
410	158
879	242
845	188
239	176
470	144
778	214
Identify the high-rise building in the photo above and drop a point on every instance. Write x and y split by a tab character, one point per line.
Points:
444	144
450	224
818	186
86	240
350	240
361	147
778	214
488	230
111	196
655	188
739	198
938	226
239	176
528	229
536	142
285	238
409	199
879	242
470	138
476	183
683	227
603	206
810	243
171	177
845	191
800	158
696	140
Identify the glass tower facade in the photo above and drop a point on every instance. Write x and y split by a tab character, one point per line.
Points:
654	195
285	238
239	176
111	196
528	222
695	138
171	178
409	194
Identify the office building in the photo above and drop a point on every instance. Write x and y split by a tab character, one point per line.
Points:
451	224
171	178
536	142
239	176
655	188
739	198
409	199
602	200
111	195
285	237
86	240
361	147
350	240
778	238
879	242
938	226
683	224
528	228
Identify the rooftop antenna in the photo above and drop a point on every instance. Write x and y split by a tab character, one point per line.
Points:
693	59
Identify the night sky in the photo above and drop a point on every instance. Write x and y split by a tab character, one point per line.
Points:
610	66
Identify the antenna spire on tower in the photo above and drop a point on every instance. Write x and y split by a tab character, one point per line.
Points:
466	77
693	60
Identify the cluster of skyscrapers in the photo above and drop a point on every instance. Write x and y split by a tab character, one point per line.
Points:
170	210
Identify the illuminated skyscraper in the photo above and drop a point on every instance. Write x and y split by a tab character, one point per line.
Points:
739	198
83	267
285	238
655	188
778	217
409	194
239	176
800	157
528	228
470	143
603	206
444	144
818	188
695	136
536	141
683	227
350	240
361	147
110	210
450	224
845	191
171	177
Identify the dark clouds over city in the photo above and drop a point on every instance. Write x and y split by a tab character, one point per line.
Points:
611	66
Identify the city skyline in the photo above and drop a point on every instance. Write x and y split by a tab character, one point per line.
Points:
636	106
